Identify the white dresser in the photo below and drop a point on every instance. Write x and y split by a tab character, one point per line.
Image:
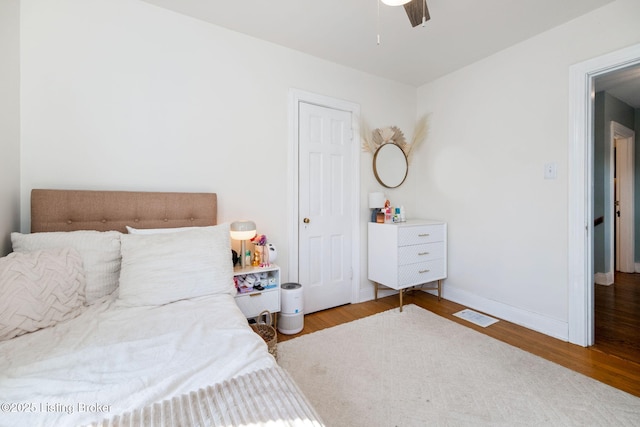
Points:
406	254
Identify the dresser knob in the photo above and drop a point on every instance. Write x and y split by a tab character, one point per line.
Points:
306	220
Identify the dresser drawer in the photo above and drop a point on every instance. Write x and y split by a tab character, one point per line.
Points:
419	253
252	304
424	272
420	234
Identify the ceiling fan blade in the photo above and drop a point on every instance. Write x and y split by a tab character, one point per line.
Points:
414	11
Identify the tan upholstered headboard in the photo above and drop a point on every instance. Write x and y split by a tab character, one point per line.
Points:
70	210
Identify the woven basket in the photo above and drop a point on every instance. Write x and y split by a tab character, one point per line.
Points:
267	332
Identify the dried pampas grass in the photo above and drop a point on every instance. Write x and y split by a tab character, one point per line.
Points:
371	141
419	134
366	136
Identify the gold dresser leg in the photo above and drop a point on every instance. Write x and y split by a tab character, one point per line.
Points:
401	292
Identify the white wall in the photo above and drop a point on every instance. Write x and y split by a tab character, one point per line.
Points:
123	95
9	121
494	126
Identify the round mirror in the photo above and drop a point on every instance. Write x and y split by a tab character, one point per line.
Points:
390	165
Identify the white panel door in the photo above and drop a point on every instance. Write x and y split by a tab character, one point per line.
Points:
324	234
624	191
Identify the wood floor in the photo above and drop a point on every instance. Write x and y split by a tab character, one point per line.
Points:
603	362
617	317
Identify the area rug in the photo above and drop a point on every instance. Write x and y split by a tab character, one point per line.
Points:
415	368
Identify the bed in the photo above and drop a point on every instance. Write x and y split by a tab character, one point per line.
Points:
164	345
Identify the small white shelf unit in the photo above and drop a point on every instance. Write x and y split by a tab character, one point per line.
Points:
253	303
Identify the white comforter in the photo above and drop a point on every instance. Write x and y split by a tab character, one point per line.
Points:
113	359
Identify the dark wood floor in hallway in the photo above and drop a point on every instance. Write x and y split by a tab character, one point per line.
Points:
617	317
596	362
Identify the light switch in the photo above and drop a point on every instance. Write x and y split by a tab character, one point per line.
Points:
551	170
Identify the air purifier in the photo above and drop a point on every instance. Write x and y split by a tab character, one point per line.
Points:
291	318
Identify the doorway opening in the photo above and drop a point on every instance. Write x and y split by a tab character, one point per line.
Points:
581	196
617	300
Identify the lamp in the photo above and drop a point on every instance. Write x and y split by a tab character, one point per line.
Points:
376	201
395	2
243	231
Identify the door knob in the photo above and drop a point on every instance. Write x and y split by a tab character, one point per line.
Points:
306	220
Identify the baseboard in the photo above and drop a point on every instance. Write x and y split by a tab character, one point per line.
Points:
537	322
604	279
546	325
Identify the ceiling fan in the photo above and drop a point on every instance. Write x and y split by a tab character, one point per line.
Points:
417	10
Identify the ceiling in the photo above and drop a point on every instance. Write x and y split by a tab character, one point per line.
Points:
459	33
624	84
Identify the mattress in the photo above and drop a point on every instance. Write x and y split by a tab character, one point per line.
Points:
113	359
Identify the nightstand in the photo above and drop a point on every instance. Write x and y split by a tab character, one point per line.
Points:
254	302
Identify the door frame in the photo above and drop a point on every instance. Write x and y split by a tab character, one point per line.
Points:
296	97
581	329
618	131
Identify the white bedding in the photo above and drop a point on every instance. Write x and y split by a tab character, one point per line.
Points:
112	359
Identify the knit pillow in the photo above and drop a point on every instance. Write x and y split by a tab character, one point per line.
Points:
39	289
100	252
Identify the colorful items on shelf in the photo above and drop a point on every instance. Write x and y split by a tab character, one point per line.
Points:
389	214
261	252
254	282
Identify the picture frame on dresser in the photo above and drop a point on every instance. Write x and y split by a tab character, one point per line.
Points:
404	255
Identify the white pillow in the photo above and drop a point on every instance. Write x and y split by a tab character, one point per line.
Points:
100	252
162	268
132	230
39	289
